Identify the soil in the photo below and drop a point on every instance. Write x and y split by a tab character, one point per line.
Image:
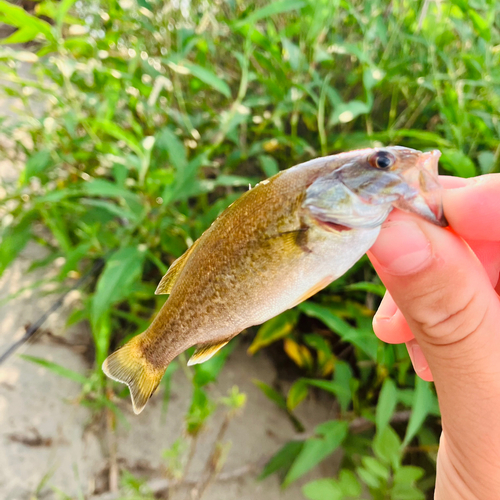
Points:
51	442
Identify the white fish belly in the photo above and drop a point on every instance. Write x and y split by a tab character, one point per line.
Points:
329	258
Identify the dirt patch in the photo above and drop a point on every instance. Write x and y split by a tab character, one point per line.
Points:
48	442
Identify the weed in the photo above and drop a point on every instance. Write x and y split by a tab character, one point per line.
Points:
156	116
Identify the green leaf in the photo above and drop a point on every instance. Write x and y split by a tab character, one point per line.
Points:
111	208
342	377
269	165
57	369
17	16
74	257
186	184
54	219
114	130
372	77
376	468
36	164
121	271
325	315
480	24
365	340
315	450
487	161
423	136
211	79
457	163
60	194
339	390
62	10
346	112
296	394
271	393
107	189
201	408
101	187
273	8
101	333
319	343
13	239
408	474
387	446
323	489
168	142
365	286
273	330
386	404
283	459
423	403
22	35
406	492
370	479
349	483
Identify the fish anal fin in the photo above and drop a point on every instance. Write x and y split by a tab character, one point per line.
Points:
205	351
167	282
129	366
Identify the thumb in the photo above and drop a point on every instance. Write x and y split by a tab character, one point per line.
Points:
452	309
442	290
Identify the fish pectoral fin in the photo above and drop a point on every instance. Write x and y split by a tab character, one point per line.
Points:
205	351
167	282
129	366
293	239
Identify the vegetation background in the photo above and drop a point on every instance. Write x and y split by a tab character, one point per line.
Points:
157	115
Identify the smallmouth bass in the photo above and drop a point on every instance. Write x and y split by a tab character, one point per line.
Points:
277	245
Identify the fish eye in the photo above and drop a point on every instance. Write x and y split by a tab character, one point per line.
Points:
382	159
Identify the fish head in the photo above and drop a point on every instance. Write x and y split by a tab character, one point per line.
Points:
367	184
421	191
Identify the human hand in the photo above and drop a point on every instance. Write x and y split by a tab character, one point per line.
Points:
443	301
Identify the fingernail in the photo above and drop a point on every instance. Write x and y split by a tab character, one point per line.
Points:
451	182
402	248
386	310
418	359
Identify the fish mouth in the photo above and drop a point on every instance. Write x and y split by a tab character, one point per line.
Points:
426	199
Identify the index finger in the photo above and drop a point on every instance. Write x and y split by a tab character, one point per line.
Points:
472	210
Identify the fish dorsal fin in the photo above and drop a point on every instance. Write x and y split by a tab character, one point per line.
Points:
167	282
205	351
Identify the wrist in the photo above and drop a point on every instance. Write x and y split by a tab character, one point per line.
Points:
461	477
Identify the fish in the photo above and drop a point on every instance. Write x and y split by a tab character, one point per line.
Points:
277	245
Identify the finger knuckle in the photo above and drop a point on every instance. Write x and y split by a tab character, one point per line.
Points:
446	321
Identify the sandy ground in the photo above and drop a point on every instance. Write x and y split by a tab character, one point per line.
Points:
51	446
48	441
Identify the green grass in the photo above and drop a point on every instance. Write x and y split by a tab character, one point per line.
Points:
155	119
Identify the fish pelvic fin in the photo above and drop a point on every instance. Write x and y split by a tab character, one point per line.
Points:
129	366
205	351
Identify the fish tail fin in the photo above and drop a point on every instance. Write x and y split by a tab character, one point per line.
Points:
130	366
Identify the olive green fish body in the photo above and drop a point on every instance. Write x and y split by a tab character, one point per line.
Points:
258	259
278	244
